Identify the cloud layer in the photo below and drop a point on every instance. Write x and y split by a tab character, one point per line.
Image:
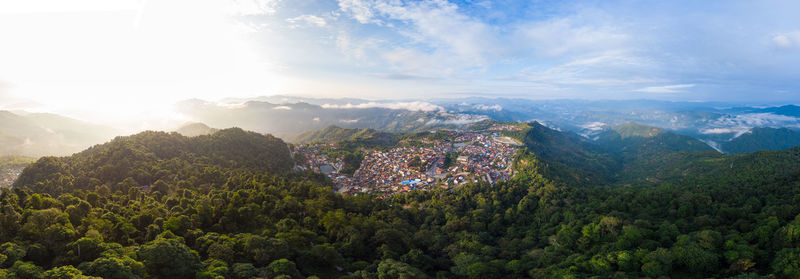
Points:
411	106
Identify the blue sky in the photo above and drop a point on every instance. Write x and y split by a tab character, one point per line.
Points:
681	50
114	56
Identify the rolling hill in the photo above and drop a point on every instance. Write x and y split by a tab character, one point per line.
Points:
42	134
763	139
149	156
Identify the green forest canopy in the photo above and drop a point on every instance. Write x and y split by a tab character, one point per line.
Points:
226	205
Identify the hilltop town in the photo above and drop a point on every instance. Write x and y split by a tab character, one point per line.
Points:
448	159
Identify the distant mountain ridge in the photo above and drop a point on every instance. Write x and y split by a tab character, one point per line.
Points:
196	129
763	138
41	134
289	119
333	134
637	138
288	116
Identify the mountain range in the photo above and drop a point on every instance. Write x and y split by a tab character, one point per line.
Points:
714	123
728	128
41	134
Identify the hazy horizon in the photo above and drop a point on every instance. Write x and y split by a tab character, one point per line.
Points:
119	60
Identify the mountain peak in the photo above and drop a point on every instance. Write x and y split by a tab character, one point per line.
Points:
633	129
193	129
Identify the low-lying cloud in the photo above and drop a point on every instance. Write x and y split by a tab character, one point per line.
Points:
758	120
486	107
665	88
736	131
594	126
410	106
744	123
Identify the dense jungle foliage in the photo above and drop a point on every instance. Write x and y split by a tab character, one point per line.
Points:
226	205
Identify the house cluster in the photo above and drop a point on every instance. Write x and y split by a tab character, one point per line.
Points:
316	160
8	176
460	157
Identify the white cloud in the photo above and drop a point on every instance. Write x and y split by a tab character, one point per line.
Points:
360	10
252	7
459	119
411	106
413	61
665	88
758	120
357	49
744	123
486	107
787	40
717	131
592	129
570	36
307	20
594	126
446	33
282	108
604	69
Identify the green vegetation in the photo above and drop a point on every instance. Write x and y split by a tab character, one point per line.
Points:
226	206
333	134
15	161
571	158
763	139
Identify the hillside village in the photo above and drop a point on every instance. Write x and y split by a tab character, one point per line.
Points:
8	175
461	156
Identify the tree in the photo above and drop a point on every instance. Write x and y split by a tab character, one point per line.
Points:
112	266
283	267
169	258
657	263
391	269
244	271
178	225
26	270
787	263
66	272
12	253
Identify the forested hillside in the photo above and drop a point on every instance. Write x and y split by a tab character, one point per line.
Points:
333	134
41	134
144	159
763	139
570	157
224	206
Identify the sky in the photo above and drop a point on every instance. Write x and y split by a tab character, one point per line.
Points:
112	60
